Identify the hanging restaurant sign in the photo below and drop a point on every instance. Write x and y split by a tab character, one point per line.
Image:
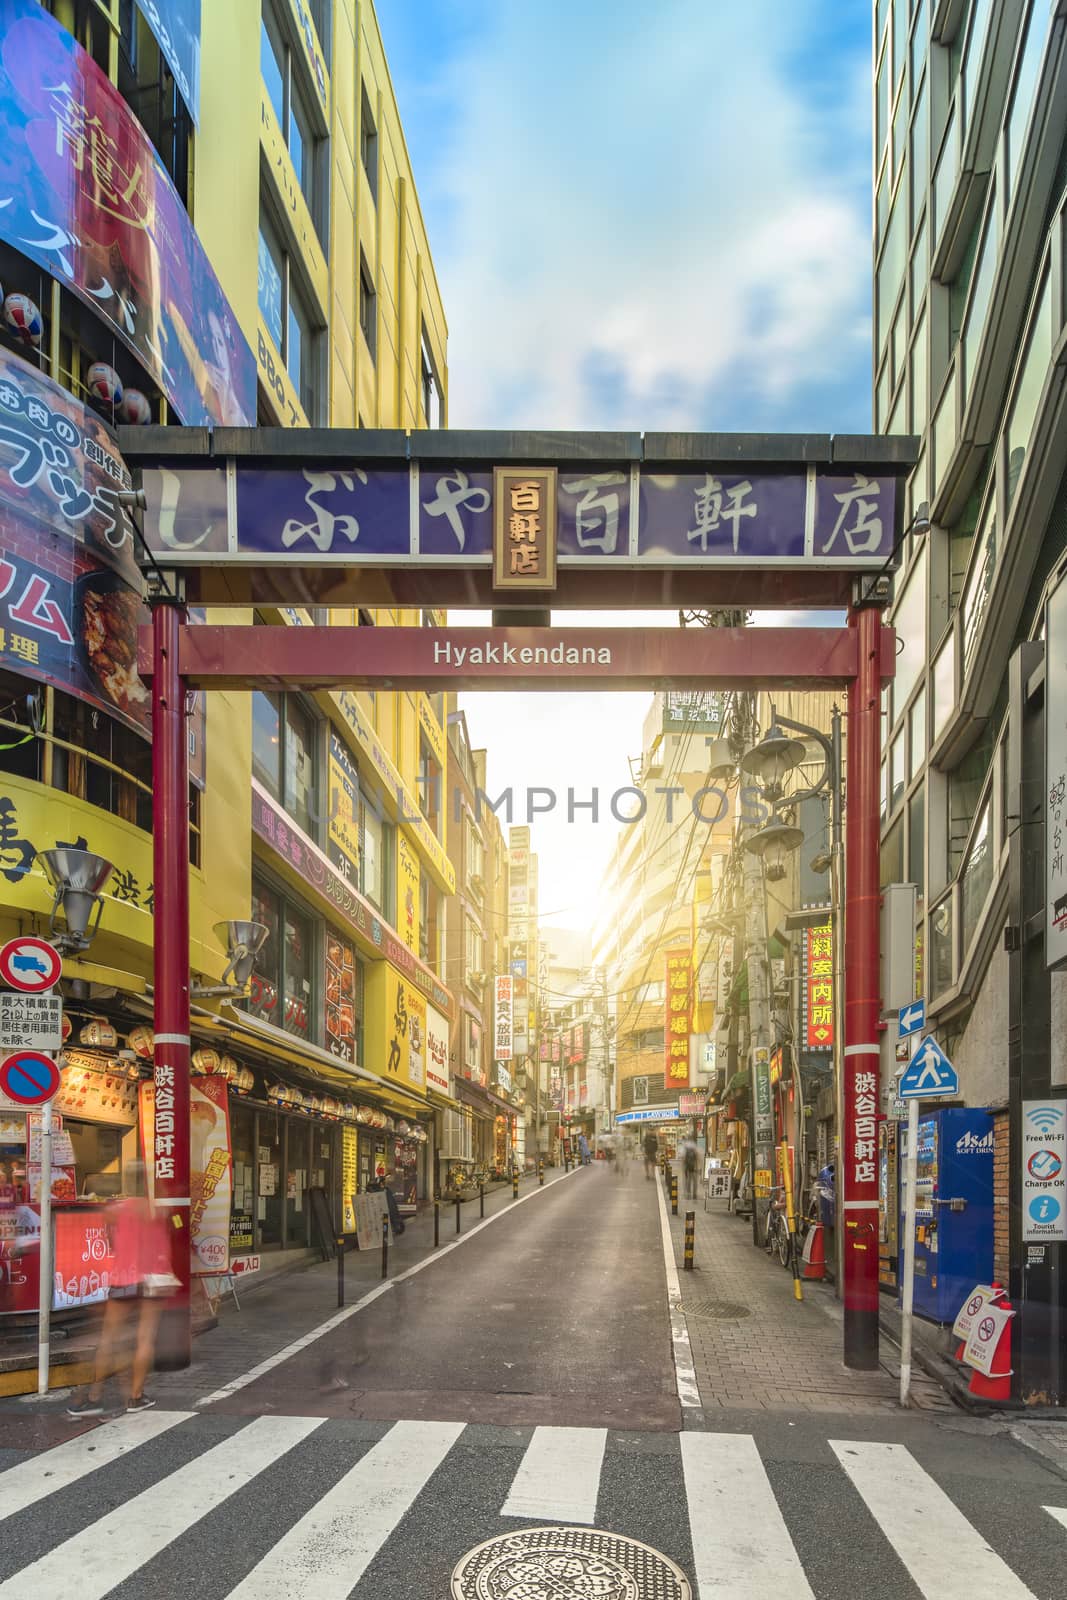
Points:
678	1019
819	987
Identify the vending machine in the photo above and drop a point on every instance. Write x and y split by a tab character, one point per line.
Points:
953	1209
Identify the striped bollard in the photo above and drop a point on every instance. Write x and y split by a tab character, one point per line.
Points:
541	1173
674	1194
690	1240
514	1183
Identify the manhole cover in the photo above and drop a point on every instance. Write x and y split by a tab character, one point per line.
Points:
567	1564
721	1310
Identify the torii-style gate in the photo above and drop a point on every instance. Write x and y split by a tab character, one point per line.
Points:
521	523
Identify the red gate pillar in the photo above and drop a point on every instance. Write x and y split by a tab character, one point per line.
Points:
858	1149
170	858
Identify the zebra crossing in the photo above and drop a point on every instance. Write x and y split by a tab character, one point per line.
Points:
309	1508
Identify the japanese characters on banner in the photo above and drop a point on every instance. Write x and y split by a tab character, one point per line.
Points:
863	1157
83	194
210	1165
678	1017
503	1020
1056	776
364	513
407	893
524	528
342	841
819	987
437	1076
406	1028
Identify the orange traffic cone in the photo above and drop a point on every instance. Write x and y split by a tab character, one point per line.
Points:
814	1254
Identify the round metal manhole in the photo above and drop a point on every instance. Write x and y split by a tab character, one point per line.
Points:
720	1310
567	1564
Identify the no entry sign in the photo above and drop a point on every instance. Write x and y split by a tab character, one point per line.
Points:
29	1078
32	965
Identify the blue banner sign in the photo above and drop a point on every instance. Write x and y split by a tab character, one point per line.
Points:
443	514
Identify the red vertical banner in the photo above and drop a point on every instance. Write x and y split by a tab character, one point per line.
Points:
678	1017
819	988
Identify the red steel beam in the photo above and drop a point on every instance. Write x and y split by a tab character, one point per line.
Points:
434	659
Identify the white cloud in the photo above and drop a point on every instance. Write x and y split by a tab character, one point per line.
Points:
645	213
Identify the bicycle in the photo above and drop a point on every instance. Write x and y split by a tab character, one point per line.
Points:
778	1240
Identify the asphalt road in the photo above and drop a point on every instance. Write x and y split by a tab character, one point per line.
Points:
523	1382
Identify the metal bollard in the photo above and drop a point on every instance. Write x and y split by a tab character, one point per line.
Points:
436	1224
541	1173
674	1194
481	1199
340	1272
690	1240
457	1215
385	1247
514	1183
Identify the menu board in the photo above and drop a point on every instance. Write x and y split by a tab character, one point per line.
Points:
340	1009
96	1089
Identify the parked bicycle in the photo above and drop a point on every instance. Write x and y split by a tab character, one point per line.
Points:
777	1239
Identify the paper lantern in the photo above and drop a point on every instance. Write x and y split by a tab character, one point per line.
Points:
206	1061
134	408
23	319
103	384
142	1042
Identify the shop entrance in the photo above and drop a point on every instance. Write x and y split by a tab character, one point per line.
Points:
525	525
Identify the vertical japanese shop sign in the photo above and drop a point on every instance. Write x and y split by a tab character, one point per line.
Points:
678	1018
819	988
863	1155
763	1118
1056	776
210	1170
436	1051
503	1021
524	528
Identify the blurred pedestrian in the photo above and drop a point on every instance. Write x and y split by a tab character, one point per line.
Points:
381	1184
651	1154
689	1154
583	1149
140	1282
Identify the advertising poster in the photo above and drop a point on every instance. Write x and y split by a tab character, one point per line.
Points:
210	1168
342	841
349	1178
437	1076
341	977
678	1018
83	1259
83	194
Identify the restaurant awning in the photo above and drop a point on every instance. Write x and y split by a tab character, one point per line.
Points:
437	1097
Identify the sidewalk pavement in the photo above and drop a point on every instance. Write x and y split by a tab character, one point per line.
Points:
756	1347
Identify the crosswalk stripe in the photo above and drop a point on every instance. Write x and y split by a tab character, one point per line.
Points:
1059	1512
741	1545
54	1469
948	1559
327	1552
559	1476
103	1555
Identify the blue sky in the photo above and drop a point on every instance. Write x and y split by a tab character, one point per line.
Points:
636	229
642	227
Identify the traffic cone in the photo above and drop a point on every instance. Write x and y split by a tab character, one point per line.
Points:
998	1385
814	1254
997	1298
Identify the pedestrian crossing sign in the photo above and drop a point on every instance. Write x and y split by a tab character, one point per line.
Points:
930	1074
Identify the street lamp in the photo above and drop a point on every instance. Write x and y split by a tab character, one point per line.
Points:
772	844
77	876
772	760
243	941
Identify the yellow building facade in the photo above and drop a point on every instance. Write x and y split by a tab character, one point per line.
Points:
294	287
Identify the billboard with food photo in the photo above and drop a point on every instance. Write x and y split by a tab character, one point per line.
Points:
342	975
210	1168
70	587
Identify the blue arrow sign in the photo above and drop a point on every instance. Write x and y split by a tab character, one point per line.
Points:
931	1073
911	1019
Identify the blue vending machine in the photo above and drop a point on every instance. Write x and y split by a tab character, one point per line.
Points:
953	1209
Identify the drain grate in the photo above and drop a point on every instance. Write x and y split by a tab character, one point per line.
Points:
720	1310
567	1564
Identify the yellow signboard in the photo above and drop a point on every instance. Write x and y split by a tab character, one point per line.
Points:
407	894
763	1183
395	1028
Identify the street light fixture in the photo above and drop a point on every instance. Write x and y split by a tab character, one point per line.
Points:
772	844
243	941
772	760
77	876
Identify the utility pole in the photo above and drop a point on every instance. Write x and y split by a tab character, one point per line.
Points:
759	1022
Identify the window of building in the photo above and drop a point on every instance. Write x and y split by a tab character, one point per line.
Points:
891	266
916	838
1022	96
909	619
281	988
920	151
285	740
946	173
976	878
473	948
432	405
920	377
368	308
284	69
917	745
428	786
378	880
429	933
942	960
892	867
970	71
1029	387
291	323
980	581
896	771
146	84
368	142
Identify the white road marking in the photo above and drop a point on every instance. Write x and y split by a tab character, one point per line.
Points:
95	1561
361	1304
54	1469
1059	1512
741	1545
685	1376
559	1477
324	1555
948	1559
